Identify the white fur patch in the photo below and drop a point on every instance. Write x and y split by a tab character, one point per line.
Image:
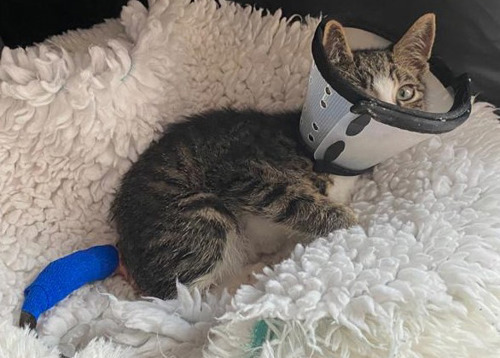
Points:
266	237
342	188
385	89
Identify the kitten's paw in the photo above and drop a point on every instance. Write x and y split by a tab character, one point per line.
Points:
347	218
338	217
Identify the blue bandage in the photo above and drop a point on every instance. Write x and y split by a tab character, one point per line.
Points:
67	274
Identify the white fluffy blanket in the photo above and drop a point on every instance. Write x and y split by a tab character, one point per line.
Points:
420	276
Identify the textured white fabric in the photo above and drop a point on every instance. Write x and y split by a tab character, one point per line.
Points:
16	342
420	276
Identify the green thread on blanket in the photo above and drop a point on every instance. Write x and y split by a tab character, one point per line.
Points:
128	72
259	335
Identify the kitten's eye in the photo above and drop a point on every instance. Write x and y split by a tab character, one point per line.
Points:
405	93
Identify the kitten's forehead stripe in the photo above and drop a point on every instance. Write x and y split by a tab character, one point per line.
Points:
379	75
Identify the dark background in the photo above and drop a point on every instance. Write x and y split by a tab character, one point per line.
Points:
468	31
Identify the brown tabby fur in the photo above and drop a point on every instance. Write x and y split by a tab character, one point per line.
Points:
178	208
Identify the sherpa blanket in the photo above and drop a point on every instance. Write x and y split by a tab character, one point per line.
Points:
419	277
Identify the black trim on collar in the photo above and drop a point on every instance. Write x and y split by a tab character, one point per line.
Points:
321	166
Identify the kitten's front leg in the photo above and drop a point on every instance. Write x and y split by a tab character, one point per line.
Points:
300	206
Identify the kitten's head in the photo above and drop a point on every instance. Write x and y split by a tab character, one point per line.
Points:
395	74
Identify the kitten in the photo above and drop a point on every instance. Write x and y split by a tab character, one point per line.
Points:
179	208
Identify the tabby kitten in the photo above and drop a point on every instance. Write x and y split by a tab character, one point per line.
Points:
179	208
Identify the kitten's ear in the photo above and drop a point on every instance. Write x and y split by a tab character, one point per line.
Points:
335	44
415	47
